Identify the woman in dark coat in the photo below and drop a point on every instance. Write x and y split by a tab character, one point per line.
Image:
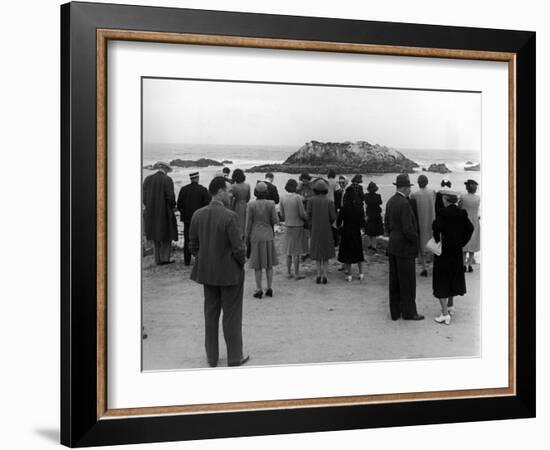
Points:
321	215
453	229
374	226
351	219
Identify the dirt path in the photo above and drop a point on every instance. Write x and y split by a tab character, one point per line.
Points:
305	322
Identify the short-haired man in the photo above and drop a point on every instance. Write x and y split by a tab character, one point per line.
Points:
215	241
400	224
272	192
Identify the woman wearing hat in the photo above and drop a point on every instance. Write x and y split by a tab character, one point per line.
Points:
260	219
374	226
241	196
453	229
321	215
351	219
293	214
470	203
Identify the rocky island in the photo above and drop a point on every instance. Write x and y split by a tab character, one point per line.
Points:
473	168
343	157
439	168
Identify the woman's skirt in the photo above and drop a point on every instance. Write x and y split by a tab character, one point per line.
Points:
262	255
293	242
374	226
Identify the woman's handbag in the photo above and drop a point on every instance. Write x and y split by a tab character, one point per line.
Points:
434	247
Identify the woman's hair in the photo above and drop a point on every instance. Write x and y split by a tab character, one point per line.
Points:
291	185
216	184
372	187
260	195
238	176
357	179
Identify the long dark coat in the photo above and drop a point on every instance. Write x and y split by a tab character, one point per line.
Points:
351	218
374	226
400	224
159	200
191	197
453	228
321	215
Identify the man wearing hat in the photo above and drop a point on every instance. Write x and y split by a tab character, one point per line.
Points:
190	198
400	224
159	218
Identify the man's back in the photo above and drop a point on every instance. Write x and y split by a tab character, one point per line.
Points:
190	198
400	224
215	241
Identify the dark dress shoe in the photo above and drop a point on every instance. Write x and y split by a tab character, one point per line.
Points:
212	363
258	294
269	292
239	363
470	269
415	317
324	280
318	280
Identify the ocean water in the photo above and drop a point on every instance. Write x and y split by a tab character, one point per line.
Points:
247	156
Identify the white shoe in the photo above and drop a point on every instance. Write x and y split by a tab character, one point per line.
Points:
361	277
348	278
443	319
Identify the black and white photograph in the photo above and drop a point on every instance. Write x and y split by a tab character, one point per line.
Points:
308	223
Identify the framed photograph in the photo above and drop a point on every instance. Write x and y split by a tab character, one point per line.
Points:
278	224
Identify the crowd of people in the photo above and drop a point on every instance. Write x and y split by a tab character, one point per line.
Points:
323	218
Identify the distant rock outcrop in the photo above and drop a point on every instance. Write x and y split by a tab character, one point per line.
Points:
474	168
439	168
227	161
342	157
202	162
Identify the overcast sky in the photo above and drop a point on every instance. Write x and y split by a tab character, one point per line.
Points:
211	112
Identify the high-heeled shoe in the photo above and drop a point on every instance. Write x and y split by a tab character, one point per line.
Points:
318	280
361	277
348	278
443	319
269	292
325	280
258	294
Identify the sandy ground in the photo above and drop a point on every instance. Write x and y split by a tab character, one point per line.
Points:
305	322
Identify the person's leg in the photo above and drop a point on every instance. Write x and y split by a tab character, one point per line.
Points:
165	250
407	286
297	267
258	278
289	265
269	276
325	268
422	257
395	308
186	252
232	304
212	308
444	308
450	302
318	267
360	268
157	251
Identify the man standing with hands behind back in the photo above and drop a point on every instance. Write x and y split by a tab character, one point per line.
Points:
215	241
400	224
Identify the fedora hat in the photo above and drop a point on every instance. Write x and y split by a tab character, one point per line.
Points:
467	182
403	180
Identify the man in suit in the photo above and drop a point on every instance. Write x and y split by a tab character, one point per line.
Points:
272	192
215	241
159	200
400	224
190	198
339	193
